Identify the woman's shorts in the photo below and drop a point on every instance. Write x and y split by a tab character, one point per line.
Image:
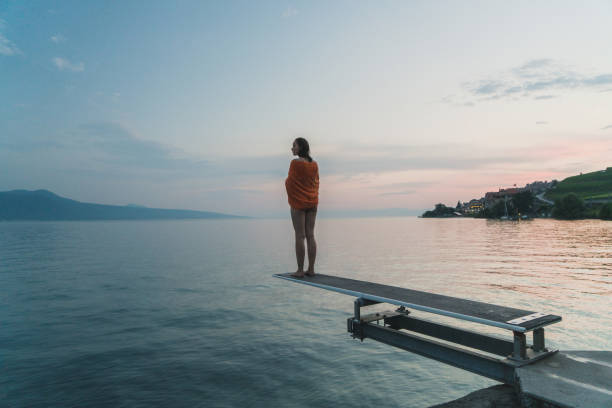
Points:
307	210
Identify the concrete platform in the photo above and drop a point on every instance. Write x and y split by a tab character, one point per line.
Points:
570	379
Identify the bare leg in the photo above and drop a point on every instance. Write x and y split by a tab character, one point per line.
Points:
310	240
298	218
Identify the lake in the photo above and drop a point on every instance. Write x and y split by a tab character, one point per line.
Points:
187	313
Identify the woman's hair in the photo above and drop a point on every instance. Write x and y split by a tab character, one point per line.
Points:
303	148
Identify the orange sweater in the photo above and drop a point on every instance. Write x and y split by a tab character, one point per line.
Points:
302	185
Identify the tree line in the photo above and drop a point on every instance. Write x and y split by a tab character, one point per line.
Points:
568	207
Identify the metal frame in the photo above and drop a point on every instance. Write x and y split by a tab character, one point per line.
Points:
467	348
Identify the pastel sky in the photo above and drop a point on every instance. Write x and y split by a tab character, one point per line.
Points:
195	104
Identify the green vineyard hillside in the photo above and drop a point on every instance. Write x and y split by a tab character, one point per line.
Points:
595	185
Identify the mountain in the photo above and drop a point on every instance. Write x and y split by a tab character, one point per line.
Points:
47	206
595	185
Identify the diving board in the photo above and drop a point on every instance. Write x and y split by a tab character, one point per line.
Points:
517	320
538	371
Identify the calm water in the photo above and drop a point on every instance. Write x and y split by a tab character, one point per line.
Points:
186	313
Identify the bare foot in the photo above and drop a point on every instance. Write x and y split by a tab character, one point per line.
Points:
309	273
297	274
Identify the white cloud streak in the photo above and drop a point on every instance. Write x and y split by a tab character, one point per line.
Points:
544	97
65	65
7	47
536	79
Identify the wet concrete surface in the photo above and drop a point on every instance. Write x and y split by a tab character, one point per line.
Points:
570	379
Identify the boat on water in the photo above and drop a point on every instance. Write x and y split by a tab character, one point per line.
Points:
518	217
506	217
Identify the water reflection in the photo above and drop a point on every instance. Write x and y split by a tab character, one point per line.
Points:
560	267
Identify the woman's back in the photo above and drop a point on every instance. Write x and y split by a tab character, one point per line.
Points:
303	184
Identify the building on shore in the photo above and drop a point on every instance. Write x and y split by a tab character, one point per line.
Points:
492	197
474	206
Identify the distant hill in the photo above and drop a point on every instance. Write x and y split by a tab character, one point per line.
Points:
597	184
46	206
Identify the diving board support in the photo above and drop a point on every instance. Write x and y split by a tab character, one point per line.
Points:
478	353
463	337
444	353
359	302
520	346
483	354
538	340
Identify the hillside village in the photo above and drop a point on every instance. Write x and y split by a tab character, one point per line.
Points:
537	189
582	196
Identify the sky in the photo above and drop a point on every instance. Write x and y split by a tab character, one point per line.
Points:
195	104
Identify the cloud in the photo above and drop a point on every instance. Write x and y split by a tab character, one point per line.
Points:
111	144
530	68
58	38
64	65
513	90
535	79
606	127
109	147
102	154
7	47
356	161
487	87
289	12
599	80
542	97
395	163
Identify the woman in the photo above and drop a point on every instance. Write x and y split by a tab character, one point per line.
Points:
303	192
